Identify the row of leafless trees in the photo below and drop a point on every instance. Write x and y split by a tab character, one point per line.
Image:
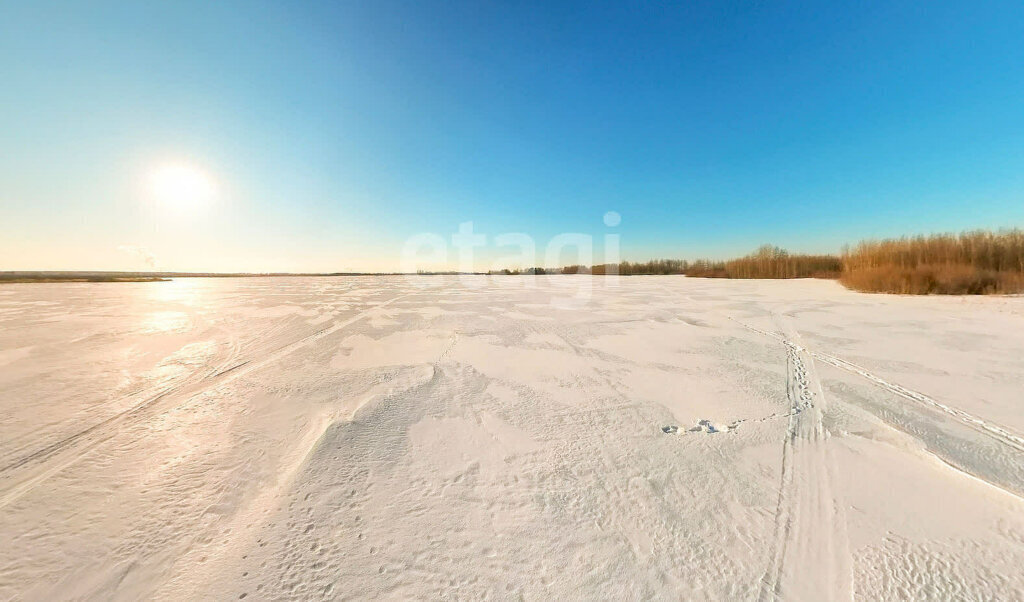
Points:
770	262
626	268
767	262
982	249
974	262
654	266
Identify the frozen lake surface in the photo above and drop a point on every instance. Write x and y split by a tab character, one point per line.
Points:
654	437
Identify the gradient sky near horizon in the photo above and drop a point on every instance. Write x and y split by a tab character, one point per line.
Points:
332	132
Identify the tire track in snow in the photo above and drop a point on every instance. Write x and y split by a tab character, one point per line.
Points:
1000	433
18	444
771	581
76	446
810	528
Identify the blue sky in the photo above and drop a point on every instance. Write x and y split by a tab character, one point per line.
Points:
335	131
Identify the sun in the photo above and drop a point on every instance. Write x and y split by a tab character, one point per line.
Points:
182	187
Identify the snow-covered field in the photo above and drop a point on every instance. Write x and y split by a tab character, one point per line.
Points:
506	438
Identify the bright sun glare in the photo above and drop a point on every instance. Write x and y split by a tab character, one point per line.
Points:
182	187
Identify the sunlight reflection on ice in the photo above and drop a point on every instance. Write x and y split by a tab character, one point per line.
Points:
187	291
165	321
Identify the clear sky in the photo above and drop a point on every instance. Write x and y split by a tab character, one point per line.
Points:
326	134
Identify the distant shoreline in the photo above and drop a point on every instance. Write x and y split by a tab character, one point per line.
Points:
71	278
23	277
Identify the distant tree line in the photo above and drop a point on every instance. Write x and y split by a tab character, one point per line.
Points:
529	271
976	262
626	268
652	267
766	262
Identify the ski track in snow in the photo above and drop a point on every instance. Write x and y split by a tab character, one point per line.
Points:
44	463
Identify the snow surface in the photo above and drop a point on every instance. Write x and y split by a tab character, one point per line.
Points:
507	437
